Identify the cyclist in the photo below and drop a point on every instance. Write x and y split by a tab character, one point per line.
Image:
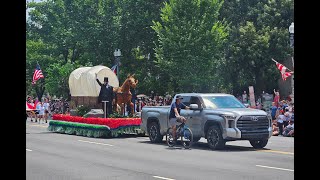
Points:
175	117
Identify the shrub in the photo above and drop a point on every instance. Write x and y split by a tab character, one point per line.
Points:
82	110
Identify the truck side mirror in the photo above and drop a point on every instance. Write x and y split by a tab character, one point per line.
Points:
195	107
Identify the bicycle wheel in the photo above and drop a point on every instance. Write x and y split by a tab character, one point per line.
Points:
187	138
169	137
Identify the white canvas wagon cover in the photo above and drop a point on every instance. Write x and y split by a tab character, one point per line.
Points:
82	81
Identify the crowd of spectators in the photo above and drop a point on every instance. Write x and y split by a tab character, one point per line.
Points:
282	112
45	108
283	118
152	101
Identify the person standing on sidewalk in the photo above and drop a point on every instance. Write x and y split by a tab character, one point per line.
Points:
244	97
276	98
281	118
46	109
273	110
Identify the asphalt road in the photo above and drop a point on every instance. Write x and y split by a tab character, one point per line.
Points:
60	157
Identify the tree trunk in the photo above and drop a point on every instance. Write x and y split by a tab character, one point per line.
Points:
65	55
40	91
260	85
74	54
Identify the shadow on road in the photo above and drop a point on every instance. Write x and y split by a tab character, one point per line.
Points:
124	136
46	132
204	146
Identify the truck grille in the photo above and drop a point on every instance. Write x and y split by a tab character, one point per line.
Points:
252	127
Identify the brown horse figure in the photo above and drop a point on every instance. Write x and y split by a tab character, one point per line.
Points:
123	94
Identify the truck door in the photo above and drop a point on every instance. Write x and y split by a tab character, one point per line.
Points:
193	116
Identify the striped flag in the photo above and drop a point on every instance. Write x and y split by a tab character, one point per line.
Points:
114	69
37	74
283	70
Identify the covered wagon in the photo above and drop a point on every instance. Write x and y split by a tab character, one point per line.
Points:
84	88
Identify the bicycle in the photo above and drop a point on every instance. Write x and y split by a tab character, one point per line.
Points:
183	132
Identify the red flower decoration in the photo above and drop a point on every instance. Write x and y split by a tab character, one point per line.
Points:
113	123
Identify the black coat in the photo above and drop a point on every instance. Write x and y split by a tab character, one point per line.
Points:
106	94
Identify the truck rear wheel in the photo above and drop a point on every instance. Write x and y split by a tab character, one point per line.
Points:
259	144
214	138
154	133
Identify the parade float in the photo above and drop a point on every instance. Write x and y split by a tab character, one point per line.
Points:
84	92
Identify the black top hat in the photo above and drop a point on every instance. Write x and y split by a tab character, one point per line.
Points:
105	79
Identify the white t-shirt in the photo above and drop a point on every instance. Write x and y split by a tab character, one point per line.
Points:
281	118
244	97
290	126
46	106
41	110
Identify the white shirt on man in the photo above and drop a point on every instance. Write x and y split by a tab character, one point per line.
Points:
245	98
281	118
41	110
46	106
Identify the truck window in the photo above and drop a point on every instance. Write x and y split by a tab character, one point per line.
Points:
195	100
213	102
186	100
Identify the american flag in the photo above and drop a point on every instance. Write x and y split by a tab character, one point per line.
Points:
283	70
114	69
37	74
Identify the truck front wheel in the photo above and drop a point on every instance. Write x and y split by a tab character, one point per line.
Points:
214	138
259	144
154	133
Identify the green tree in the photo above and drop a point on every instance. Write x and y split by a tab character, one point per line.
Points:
258	32
190	44
80	30
88	32
37	52
57	80
136	41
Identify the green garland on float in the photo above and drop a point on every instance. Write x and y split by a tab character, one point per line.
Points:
90	130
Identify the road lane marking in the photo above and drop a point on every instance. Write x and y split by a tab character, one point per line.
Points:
274	151
159	177
95	143
28	149
275	168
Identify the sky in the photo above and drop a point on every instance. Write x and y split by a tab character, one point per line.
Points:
27	12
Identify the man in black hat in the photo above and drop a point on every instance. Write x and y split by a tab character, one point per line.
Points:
174	116
106	94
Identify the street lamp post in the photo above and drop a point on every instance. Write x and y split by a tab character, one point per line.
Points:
117	55
291	31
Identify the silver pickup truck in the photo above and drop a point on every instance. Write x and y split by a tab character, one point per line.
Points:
217	117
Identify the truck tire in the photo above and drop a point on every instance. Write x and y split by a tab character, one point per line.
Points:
214	138
259	144
154	133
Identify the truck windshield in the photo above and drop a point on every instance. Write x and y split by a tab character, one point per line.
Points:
214	102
